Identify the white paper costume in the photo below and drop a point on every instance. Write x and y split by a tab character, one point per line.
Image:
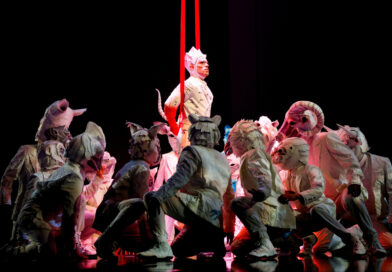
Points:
198	97
377	180
60	193
304	191
338	164
198	195
259	207
53	126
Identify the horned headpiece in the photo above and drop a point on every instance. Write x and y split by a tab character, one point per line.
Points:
306	116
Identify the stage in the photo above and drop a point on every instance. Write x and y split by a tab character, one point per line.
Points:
281	263
263	56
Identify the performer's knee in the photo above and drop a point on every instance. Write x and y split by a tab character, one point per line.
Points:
352	202
315	211
147	196
236	205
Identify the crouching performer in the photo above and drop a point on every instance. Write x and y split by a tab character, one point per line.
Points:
120	214
304	189
259	207
377	180
194	195
60	193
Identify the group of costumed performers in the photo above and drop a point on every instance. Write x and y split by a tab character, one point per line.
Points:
293	188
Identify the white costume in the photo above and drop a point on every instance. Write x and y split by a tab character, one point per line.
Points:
198	97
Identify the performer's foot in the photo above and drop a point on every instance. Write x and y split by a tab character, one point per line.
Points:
377	250
265	249
160	250
220	251
335	246
89	251
357	242
308	243
105	247
358	247
81	251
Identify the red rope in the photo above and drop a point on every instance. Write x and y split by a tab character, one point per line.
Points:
197	24
182	61
182	50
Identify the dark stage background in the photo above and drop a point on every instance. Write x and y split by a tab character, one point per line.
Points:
263	55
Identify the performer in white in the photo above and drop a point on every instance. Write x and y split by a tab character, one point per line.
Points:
269	131
304	190
198	97
259	207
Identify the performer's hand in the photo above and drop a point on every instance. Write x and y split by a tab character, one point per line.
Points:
179	226
354	190
101	171
229	237
227	148
170	113
282	199
279	137
174	128
153	204
257	195
291	196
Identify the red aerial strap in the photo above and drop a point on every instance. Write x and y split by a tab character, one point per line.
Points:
182	62
182	51
197	24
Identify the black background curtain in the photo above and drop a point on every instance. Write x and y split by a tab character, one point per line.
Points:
263	56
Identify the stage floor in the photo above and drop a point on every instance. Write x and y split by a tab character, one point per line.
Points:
282	263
